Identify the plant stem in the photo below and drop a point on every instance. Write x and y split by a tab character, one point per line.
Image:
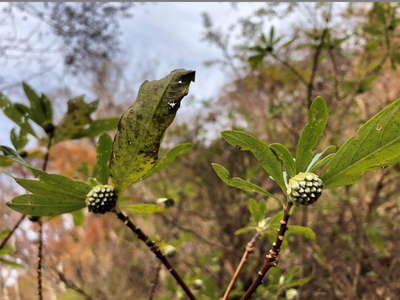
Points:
155	282
40	258
40	246
71	285
9	235
249	249
317	53
155	249
271	258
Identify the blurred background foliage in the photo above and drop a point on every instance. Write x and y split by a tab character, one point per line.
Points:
349	56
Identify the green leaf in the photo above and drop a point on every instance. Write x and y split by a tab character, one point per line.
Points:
317	157
314	129
144	209
41	110
19	140
47	107
75	119
303	230
78	217
142	126
10	262
59	182
97	127
237	182
169	158
284	155
274	221
14	156
103	149
64	183
51	195
322	162
376	144
36	112
260	150
45	189
37	205
16	112
244	230
296	283
4	232
257	210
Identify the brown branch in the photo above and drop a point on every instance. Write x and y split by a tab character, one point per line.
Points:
9	235
291	68
40	259
71	285
155	249
318	51
155	282
194	233
271	258
249	249
50	132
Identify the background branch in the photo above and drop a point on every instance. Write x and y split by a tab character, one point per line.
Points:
156	251
249	249
271	259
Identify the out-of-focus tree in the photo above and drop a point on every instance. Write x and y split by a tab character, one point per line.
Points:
85	34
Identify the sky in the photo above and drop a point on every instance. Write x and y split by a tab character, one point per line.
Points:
166	35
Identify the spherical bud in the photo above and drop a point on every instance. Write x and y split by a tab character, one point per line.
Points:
305	188
34	218
166	202
198	284
169	251
101	199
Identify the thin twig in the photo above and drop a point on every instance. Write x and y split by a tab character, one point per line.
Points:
40	246
317	53
271	259
155	249
40	259
249	249
47	155
290	68
9	235
71	285
154	284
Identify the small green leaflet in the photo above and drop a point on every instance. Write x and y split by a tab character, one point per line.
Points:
75	119
284	155
19	140
246	229
16	112
13	155
96	127
144	209
260	150
303	230
41	110
257	210
103	149
376	144
169	158
78	217
317	162
142	126
10	263
314	129
237	182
